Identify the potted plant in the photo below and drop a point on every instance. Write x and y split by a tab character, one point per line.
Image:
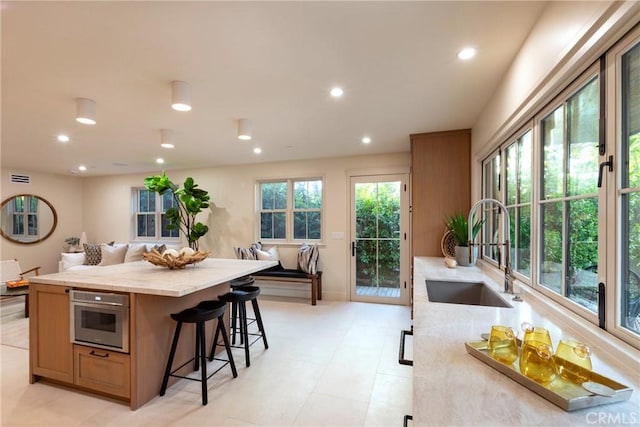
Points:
72	244
189	201
459	228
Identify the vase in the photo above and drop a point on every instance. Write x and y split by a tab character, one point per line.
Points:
462	256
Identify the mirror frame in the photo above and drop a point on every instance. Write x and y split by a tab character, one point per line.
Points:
31	242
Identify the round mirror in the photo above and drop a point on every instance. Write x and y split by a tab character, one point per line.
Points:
27	219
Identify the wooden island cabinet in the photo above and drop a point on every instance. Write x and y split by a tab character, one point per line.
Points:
154	293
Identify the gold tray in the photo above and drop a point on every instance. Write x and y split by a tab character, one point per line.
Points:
565	394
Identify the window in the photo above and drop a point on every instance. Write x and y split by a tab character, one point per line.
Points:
24	217
291	210
629	191
148	215
491	189
569	197
518	201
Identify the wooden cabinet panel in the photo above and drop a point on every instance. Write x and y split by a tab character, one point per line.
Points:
440	185
102	370
51	350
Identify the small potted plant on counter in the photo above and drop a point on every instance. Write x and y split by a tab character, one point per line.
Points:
458	226
72	244
189	201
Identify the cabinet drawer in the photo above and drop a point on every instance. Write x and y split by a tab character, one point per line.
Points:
102	370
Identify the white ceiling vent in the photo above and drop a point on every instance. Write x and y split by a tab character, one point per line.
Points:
20	179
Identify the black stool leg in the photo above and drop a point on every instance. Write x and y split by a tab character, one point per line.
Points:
196	363
172	353
203	355
256	311
225	338
215	341
244	332
234	319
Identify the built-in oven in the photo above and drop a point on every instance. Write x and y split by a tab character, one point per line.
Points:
100	319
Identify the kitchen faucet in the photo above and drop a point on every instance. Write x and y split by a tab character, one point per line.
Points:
509	276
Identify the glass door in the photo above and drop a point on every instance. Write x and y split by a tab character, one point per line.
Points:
379	239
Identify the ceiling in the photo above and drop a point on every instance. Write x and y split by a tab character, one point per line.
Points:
270	62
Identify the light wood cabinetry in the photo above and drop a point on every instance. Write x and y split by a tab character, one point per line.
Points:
440	185
52	352
102	370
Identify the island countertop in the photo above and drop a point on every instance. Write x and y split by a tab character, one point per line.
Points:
142	277
452	388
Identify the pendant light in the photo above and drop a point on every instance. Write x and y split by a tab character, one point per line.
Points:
180	96
86	111
244	129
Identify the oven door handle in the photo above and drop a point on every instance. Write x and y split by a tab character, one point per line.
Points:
403	337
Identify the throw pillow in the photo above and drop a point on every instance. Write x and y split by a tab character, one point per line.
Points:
159	248
72	259
244	253
135	251
93	253
270	255
308	258
112	254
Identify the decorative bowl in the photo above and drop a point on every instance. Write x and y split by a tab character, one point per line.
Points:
174	262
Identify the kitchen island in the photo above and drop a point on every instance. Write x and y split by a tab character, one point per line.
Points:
452	388
154	293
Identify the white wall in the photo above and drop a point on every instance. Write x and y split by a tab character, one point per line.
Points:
107	208
566	39
65	194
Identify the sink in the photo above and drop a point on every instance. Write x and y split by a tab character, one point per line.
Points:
470	293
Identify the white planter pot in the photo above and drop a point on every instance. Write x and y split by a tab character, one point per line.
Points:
462	256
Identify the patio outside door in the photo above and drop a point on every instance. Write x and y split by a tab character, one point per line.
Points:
379	239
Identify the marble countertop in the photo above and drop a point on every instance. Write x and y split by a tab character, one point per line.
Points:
452	388
144	278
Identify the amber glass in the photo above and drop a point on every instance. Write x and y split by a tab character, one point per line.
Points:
573	361
536	334
536	361
502	344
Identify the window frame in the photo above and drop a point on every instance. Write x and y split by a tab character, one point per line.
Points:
158	214
290	210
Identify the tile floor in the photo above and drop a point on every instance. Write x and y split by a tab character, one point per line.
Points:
335	364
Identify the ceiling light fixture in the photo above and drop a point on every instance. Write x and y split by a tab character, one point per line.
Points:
467	53
244	129
366	140
82	168
257	150
159	160
180	96
337	92
166	138
63	138
86	111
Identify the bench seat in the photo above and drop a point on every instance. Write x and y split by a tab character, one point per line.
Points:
294	276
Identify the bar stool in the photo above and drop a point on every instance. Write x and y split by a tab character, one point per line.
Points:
242	281
206	310
239	297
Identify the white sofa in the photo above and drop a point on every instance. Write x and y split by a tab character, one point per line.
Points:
110	254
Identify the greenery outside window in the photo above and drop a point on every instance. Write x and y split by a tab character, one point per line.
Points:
148	215
291	209
491	189
518	201
569	197
629	191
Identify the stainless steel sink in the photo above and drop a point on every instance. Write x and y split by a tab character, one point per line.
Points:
470	293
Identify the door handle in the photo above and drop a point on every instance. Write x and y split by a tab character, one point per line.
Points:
353	248
602	305
601	169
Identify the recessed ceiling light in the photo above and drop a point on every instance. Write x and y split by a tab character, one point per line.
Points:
63	138
337	92
257	150
366	140
466	53
167	145
159	160
82	168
